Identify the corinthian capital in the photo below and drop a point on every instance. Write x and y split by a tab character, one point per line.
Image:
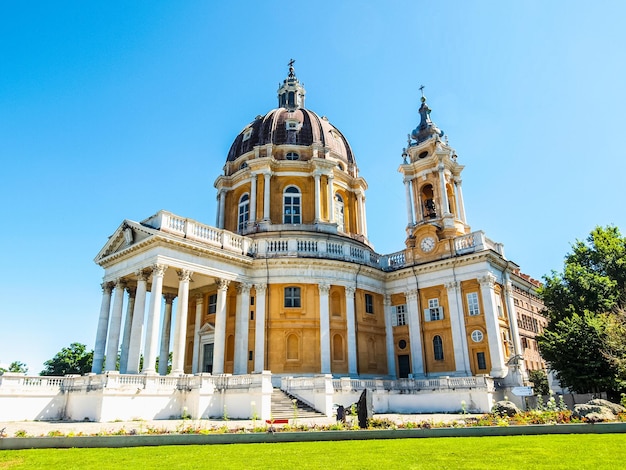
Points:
488	280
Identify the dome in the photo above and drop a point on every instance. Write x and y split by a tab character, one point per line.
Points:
283	126
293	125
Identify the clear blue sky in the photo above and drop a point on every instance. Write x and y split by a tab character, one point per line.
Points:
114	110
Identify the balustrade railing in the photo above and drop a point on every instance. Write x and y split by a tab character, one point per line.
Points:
433	384
303	245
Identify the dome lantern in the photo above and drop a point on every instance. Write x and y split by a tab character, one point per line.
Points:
291	93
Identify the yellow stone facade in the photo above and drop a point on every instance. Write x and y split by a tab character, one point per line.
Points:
287	280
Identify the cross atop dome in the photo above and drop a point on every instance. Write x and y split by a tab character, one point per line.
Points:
291	92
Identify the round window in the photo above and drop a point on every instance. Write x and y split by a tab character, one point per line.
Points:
402	344
477	336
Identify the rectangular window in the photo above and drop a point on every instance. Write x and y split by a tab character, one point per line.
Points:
369	303
251	300
292	297
212	304
251	314
499	307
400	315
435	312
482	363
472	304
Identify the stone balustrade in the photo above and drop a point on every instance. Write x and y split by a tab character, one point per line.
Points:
303	245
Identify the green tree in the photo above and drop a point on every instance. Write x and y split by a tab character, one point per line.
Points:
73	360
582	304
540	382
15	366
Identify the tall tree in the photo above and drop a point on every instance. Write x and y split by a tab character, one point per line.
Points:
73	360
581	303
15	366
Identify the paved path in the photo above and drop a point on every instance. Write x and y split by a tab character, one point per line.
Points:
43	428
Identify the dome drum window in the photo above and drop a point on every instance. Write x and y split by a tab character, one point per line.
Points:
292	156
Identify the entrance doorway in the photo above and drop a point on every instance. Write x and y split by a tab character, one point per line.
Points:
207	358
404	366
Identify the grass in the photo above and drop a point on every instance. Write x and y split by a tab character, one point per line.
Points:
547	451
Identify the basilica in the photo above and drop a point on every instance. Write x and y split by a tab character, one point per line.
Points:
286	285
287	280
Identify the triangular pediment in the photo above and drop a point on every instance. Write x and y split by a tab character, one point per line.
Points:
206	329
128	234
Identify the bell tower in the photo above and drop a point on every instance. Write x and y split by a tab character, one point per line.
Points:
432	180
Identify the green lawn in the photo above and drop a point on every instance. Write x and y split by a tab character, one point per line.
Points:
591	451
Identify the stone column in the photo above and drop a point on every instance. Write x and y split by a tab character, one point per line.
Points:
252	218
196	334
510	307
266	196
318	201
128	324
351	330
391	355
444	193
496	350
240	365
363	215
113	342
154	319
324	289
457	325
259	328
178	356
139	311
221	208
459	198
219	344
415	337
409	202
331	200
103	326
166	331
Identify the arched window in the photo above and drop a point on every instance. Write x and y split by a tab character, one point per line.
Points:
244	213
339	212
291	206
428	202
438	348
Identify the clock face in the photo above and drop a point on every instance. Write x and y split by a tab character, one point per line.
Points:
427	244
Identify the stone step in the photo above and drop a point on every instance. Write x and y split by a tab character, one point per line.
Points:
283	407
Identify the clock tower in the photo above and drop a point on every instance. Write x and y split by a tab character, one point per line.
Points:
434	200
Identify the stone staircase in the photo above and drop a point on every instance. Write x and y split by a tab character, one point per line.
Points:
283	407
